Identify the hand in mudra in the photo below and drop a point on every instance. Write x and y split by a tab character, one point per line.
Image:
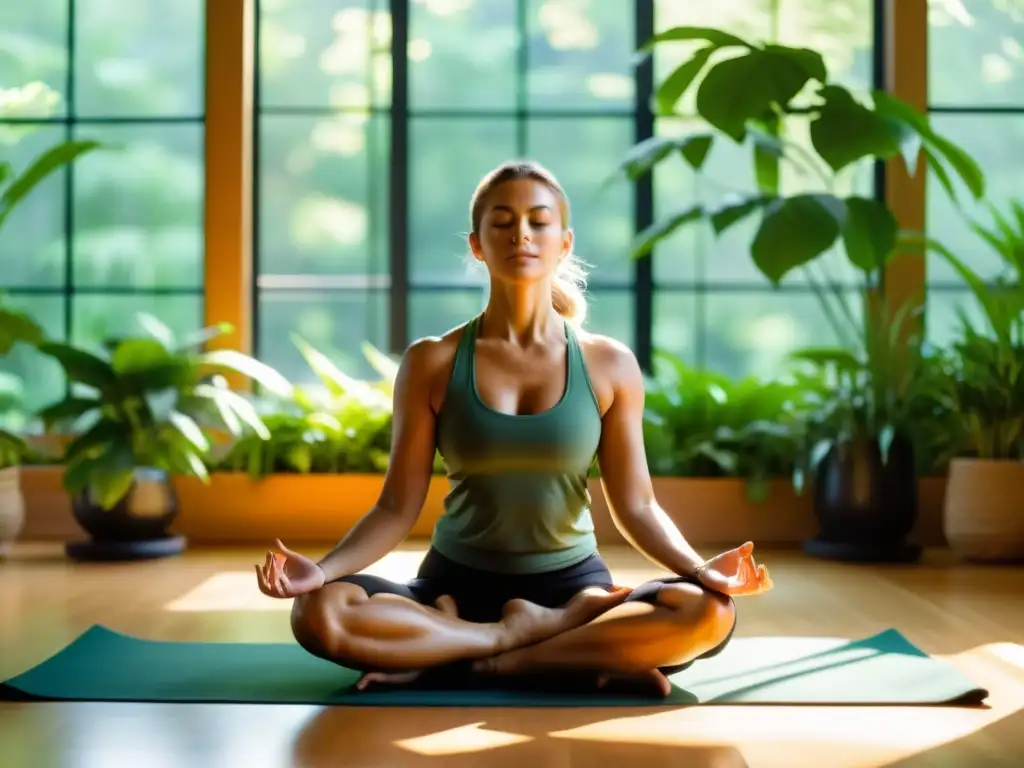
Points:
288	574
735	573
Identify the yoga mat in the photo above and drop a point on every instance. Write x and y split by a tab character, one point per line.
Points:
103	665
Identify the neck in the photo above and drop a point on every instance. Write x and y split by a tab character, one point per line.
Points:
521	313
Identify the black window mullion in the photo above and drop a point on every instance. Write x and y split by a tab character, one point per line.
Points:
643	196
398	187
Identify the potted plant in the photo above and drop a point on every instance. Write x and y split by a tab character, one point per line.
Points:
752	94
143	411
863	445
984	508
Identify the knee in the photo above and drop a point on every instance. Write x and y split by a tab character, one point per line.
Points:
714	614
316	619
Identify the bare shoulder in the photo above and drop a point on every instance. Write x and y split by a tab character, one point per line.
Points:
428	362
612	367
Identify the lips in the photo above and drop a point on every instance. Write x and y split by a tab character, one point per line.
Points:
524	255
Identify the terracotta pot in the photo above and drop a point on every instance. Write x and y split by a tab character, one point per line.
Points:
984	510
12	508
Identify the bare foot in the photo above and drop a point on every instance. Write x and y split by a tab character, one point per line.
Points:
526	623
652	680
445	604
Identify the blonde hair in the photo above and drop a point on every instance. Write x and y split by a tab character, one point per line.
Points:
570	280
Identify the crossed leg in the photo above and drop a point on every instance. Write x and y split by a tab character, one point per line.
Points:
393	638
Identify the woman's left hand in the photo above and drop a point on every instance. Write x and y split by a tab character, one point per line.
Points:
735	573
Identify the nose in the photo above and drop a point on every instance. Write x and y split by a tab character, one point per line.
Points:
522	232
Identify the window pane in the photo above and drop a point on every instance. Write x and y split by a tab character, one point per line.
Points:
139	59
325	53
753	332
323	194
975	55
36	46
997	143
580	54
335	324
41	377
447	159
139	207
32	241
675	323
463	54
433	313
612	313
98	317
942	321
582	153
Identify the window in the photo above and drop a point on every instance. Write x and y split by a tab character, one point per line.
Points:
976	97
343	258
711	306
321	198
121	230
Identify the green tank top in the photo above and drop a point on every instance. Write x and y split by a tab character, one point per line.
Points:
519	501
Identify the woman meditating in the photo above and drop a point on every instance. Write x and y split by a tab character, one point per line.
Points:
519	401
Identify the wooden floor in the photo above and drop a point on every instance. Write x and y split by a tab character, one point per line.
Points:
972	616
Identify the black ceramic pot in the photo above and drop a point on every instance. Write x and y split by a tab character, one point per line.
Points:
137	526
866	506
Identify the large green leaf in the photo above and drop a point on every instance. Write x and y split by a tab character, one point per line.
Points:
108	476
644	242
869	233
134	355
187	427
716	37
232	360
100	435
846	131
794	231
234	408
645	155
17	327
45	164
67	410
674	86
747	87
80	366
734	210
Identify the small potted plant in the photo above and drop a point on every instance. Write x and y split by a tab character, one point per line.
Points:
984	509
141	413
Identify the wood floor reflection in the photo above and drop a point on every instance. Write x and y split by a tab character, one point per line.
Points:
973	616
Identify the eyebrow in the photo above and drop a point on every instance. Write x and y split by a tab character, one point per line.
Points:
534	208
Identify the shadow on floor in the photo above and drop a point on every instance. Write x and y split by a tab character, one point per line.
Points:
368	738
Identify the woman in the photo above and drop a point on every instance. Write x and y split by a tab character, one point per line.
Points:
518	401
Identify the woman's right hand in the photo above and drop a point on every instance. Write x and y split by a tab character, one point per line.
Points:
288	574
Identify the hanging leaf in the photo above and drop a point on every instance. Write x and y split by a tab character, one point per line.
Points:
734	210
17	327
646	240
794	231
674	86
716	37
747	87
869	233
846	131
80	366
45	164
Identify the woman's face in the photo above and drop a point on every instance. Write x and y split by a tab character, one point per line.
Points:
521	236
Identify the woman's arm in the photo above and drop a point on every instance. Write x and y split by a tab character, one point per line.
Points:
413	448
626	478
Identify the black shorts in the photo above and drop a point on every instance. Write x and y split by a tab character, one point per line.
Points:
480	595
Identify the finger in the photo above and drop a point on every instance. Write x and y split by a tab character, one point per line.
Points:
261	579
284	550
275	577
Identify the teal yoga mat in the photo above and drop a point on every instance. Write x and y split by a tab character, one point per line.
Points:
103	665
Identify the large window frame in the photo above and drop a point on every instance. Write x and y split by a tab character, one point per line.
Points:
232	257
